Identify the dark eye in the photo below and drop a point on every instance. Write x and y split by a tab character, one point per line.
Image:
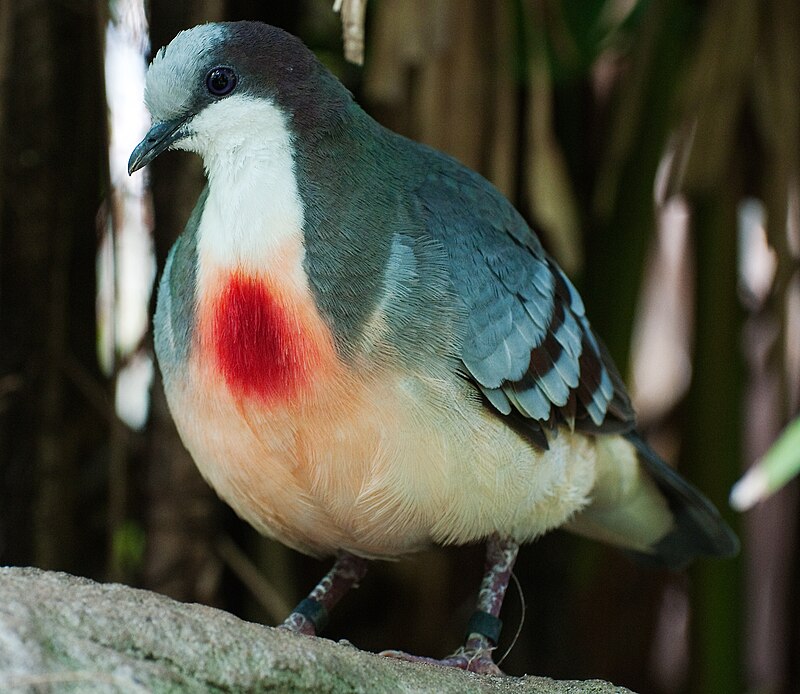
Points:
221	81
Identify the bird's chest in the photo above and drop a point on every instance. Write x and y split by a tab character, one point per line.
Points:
261	349
260	341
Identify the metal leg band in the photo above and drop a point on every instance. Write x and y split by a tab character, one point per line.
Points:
486	624
314	612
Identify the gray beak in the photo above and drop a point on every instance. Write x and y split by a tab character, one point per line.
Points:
158	139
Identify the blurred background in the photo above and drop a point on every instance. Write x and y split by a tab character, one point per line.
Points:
654	146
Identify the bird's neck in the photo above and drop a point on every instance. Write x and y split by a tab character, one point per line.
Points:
252	221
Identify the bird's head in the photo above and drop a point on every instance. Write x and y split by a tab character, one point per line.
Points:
215	85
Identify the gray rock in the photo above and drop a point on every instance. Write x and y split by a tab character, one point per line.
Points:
59	633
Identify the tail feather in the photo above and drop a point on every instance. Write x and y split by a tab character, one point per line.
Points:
699	530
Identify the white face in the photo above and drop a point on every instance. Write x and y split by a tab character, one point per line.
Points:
234	131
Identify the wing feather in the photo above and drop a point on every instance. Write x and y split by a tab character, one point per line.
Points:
528	346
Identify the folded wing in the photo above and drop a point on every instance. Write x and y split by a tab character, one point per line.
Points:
528	346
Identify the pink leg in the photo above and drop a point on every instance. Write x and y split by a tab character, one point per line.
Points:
484	626
311	615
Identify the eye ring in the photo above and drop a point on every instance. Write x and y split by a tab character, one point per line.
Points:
221	81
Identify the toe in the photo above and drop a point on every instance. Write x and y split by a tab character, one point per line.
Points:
479	662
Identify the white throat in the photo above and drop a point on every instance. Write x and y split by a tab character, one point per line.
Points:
253	214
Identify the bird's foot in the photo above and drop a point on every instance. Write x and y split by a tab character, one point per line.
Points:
474	656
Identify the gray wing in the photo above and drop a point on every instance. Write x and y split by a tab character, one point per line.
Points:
528	345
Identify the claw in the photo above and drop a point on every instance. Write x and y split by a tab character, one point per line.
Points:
475	656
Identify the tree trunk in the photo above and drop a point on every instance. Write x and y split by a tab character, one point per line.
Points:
54	169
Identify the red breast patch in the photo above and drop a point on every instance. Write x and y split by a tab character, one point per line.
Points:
259	342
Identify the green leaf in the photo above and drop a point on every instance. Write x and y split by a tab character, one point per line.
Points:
779	465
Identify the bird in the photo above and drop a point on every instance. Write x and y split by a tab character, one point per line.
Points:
367	350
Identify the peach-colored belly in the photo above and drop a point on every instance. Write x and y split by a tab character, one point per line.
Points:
369	460
285	432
